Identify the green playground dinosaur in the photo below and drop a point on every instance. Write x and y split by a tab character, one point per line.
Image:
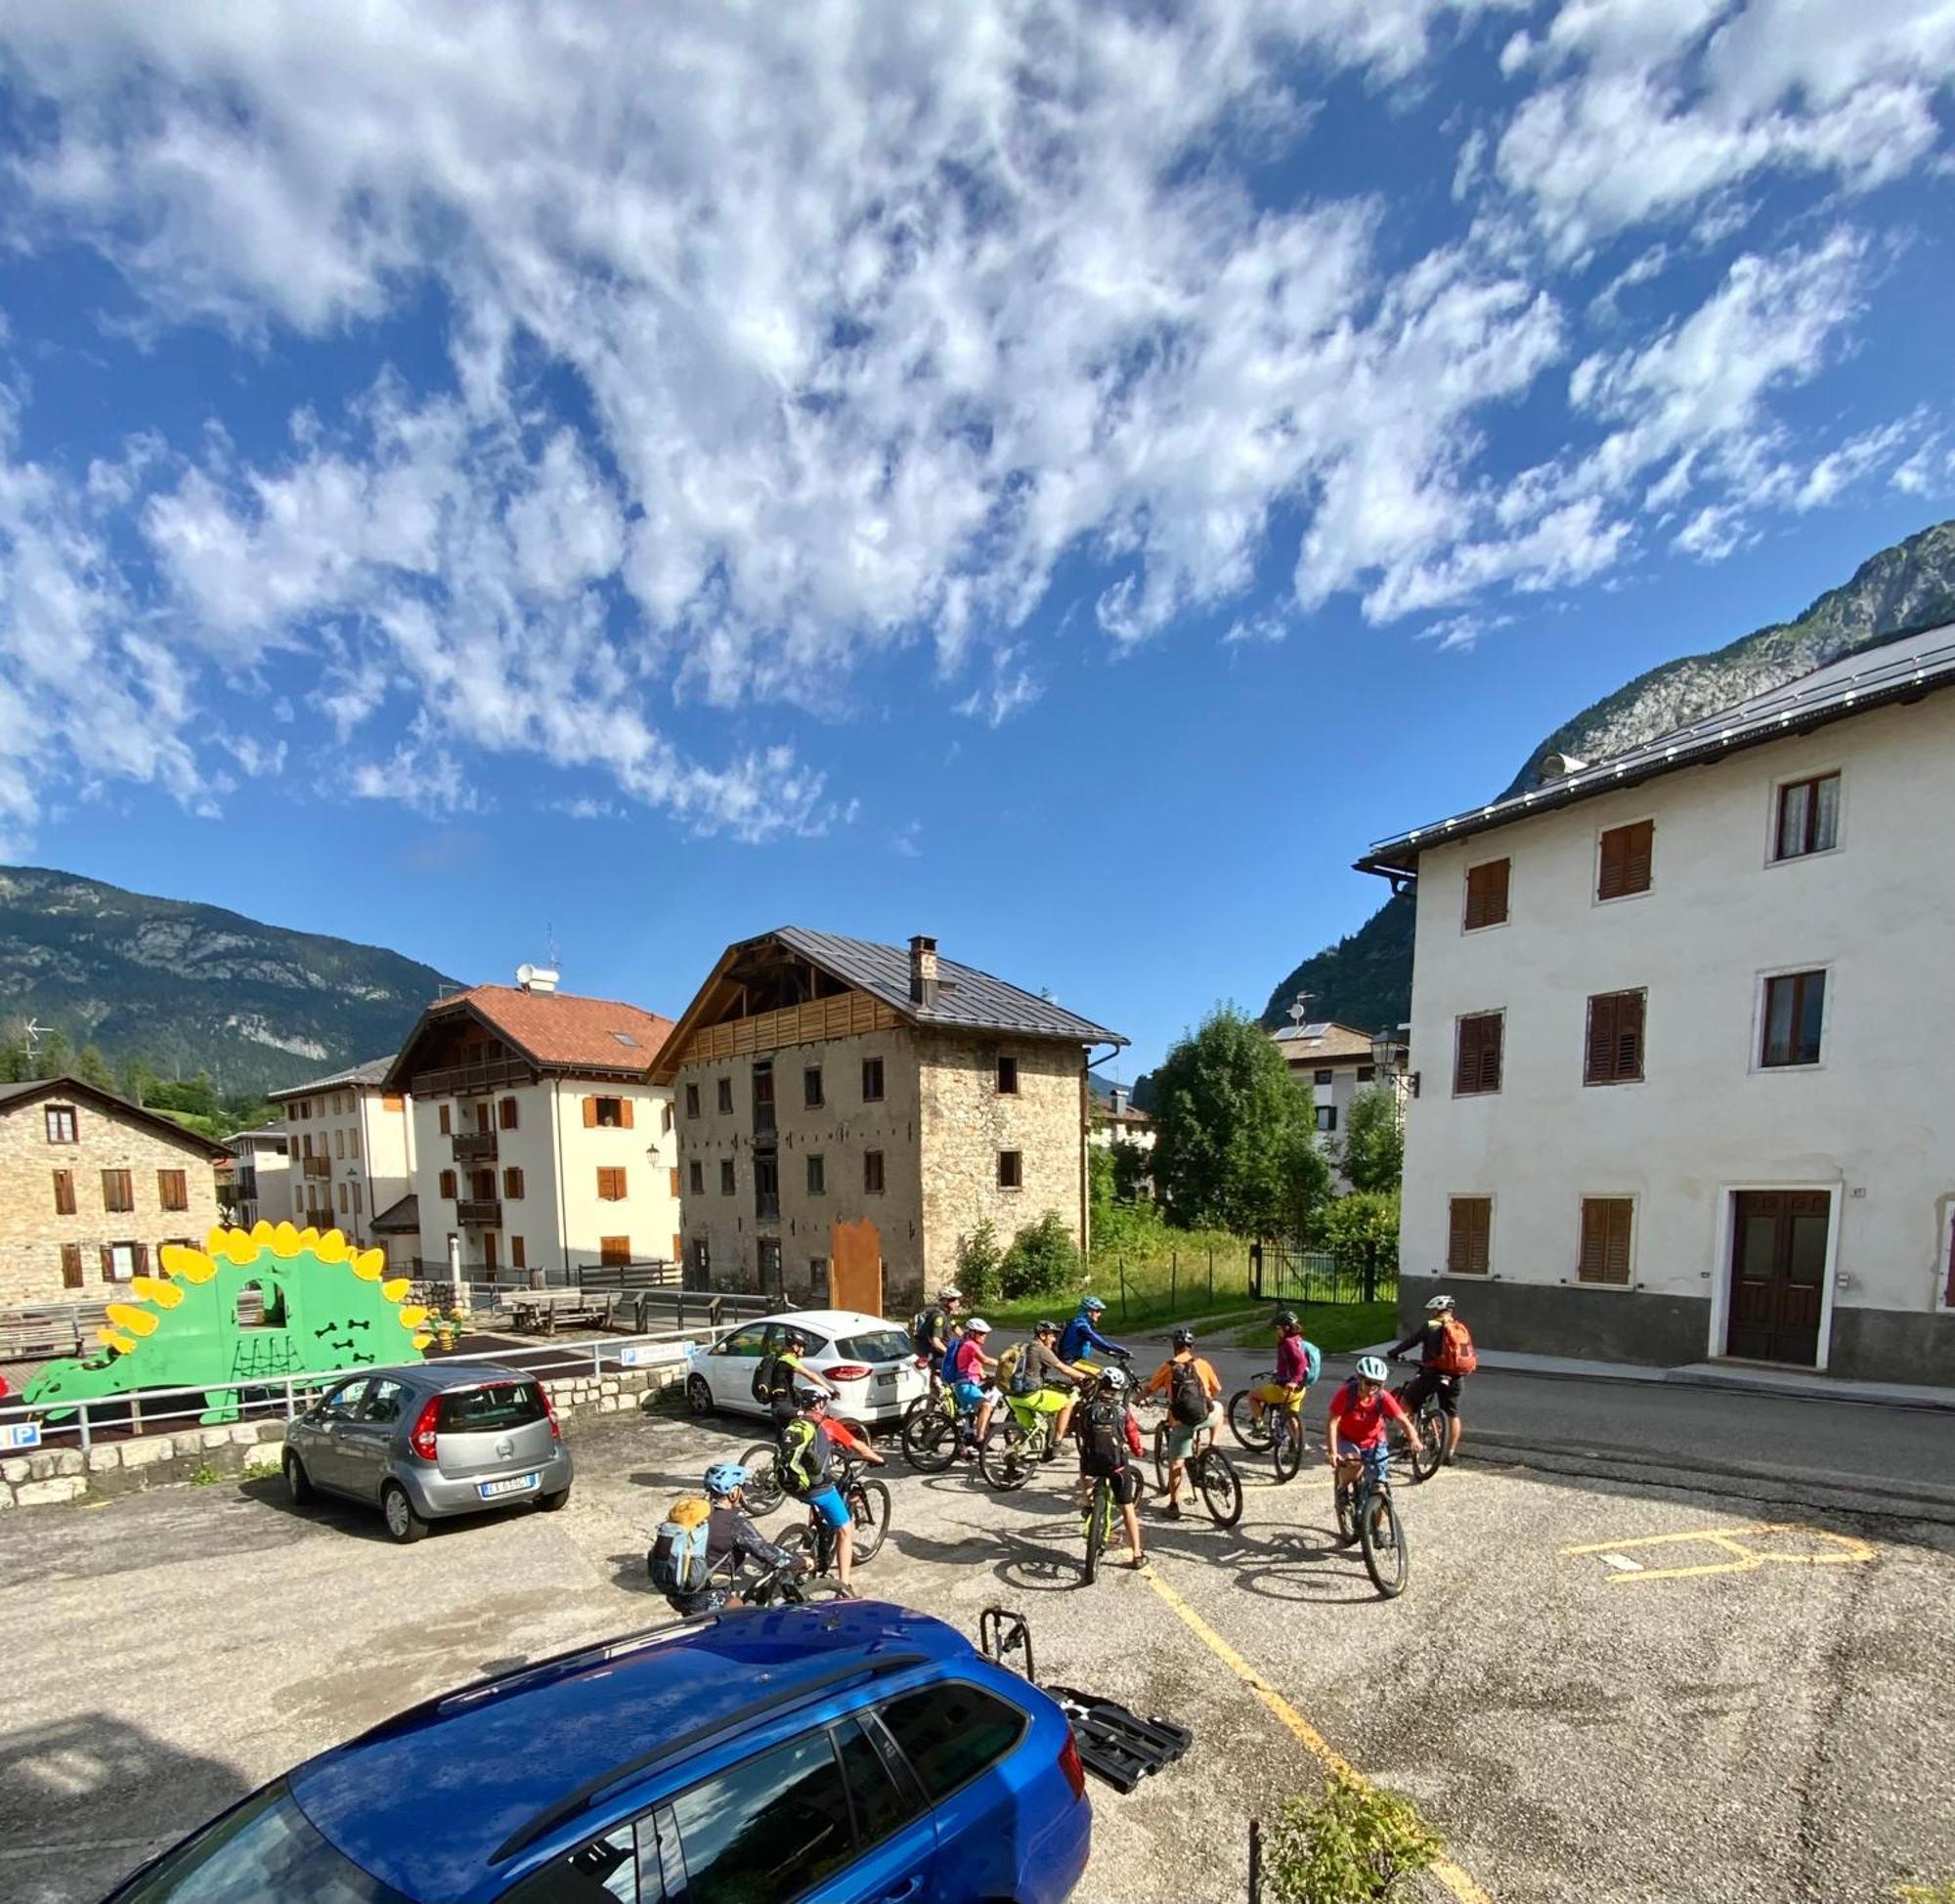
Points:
326	1307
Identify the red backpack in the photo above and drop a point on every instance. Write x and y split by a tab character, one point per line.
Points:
1456	1353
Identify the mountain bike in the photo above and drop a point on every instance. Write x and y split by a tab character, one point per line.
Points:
1210	1470
868	1505
1368	1515
1012	1449
933	1428
763	1492
788	1586
1277	1428
1103	1517
1433	1451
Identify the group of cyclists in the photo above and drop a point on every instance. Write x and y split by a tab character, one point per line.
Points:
1076	1374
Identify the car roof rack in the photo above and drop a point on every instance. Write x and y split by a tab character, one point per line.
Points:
880	1665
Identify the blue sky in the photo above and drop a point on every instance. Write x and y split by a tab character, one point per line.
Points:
1059	478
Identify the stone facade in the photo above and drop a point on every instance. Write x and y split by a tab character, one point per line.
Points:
32	1235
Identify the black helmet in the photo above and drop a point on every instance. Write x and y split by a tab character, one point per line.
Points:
794	1339
1183	1338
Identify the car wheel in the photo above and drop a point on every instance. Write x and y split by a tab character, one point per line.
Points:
298	1486
404	1524
698	1396
550	1503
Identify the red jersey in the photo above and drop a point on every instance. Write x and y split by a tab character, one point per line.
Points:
844	1436
1364	1422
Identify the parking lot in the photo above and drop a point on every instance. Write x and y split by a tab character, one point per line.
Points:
1596	1692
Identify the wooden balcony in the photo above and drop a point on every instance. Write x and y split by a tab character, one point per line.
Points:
317	1166
479	1213
474	1147
459	1079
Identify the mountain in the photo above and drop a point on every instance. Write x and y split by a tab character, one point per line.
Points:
1366	979
191	988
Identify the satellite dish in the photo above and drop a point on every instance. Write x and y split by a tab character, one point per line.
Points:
524	973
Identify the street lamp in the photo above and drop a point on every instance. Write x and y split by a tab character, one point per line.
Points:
1385	1050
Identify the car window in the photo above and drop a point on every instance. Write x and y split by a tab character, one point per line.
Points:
767	1829
885	1345
384	1400
602	1872
881	1807
343	1404
482	1410
951	1732
742	1342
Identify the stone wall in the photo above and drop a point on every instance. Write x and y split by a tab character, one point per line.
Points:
31	1235
52	1476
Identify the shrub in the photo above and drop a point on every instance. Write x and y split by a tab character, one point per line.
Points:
978	1262
1354	1844
1362	1230
1041	1261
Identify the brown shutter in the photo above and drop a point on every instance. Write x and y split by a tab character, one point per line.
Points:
1601	1062
1486	894
625	1112
108	1264
1466	1056
1605	1238
1470	1223
71	1261
1609	881
675	1180
142	1259
1629	1035
1637	852
591	1113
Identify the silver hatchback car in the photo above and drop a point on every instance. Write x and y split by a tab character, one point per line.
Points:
430	1441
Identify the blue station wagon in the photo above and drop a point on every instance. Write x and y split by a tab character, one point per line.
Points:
847	1753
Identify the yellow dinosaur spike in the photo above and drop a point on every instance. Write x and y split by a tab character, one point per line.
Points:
192	1265
116	1340
261	1233
158	1289
333	1247
132	1316
422	1340
288	1241
238	1247
395	1288
368	1264
413	1315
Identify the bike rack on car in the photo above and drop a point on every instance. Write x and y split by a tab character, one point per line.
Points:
1115	1745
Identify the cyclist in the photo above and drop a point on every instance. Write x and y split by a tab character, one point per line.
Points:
968	1367
1044	1384
1298	1363
806	1457
1435	1377
931	1331
1110	1446
736	1551
777	1374
1083	1332
1193	1389
1361	1412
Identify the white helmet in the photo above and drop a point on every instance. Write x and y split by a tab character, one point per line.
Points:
950	1292
978	1326
1371	1370
1439	1306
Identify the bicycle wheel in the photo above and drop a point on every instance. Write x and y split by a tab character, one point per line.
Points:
1003	1459
931	1442
1382	1541
1099	1510
762	1490
1221	1487
869	1507
1432	1455
794	1541
917	1408
812	1592
1347	1515
1285	1445
1160	1455
1243	1424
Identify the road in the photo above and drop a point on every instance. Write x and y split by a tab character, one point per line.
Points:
1589	1715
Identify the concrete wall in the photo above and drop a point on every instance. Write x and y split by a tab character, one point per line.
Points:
31	1235
1869	1123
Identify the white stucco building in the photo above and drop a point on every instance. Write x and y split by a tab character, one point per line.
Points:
350	1156
1683	1018
1337	1061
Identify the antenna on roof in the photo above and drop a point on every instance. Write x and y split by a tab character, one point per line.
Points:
551	951
33	1031
1299	1011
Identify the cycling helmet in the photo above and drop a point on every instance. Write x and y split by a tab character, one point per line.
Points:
812	1398
1045	1329
723	1477
1371	1370
795	1340
950	1292
1092	1306
1287	1319
978	1326
1183	1338
1439	1306
1112	1380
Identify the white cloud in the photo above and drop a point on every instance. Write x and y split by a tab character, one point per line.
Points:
584	807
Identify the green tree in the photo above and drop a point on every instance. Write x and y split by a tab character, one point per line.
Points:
977	1259
1043	1259
1374	1144
1362	1230
91	1068
53	1058
1235	1133
15	1067
1133	1172
139	1079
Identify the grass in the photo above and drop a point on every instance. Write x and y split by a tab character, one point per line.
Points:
1338	1328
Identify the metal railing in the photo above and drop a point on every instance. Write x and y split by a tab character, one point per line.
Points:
479	1213
1280	1273
472	1147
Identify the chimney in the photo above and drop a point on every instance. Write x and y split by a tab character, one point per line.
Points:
922	971
1117	1099
536	979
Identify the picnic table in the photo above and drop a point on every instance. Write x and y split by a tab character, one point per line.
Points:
539	1311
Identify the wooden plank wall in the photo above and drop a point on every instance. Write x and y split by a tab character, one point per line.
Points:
796	1024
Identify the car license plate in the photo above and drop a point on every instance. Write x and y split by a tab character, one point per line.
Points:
517	1484
888	1378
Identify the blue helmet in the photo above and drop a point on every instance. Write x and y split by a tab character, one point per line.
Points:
723	1477
1091	1306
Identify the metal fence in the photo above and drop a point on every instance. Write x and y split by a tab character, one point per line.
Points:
1281	1273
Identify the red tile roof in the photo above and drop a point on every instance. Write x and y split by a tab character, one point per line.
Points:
559	1028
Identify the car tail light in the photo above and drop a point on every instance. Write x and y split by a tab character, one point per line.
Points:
849	1372
421	1441
1069	1764
549	1409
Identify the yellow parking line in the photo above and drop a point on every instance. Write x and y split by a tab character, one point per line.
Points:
1843	1551
1449	1874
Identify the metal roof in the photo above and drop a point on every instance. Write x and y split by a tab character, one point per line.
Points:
372	1072
1895	672
966	998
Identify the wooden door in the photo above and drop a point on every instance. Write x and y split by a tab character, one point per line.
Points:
488	1253
771	1284
1778	1271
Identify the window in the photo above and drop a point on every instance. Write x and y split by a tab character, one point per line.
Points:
1011	1170
872	1173
1624	860
491	1407
613	1251
1808	818
881	1807
71	1261
810	1087
1008	1077
950	1733
1326	1117
1476	1067
771	1827
118	1190
702	1260
1615	1039
1366	1072
291	1114
1470	1235
607	1113
666	1118
447	1183
518	1256
1605	1239
692	1100
447	1124
512	1182
63	1192
725	1088
353	1142
766	1184
339	1144
173	1190
393	1100
872	1080
1795	1017
672	1189
384	1400
359	1207
61	1124
725	1175
606	1867
1486	894
1324	1077
696	1177
818	1174
342	1199
610	1184
505	1114
305	1144
121	1261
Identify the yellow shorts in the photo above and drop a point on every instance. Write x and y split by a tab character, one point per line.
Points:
1277	1392
1049	1401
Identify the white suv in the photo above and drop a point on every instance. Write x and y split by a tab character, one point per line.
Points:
868	1357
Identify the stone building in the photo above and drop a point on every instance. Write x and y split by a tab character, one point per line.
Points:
90	1186
821	1080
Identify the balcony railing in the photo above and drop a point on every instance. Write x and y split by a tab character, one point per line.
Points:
317	1166
479	1213
474	1147
458	1079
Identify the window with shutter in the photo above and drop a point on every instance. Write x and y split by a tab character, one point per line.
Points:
614	1251
447	1182
1605	1239
173	1190
1470	1235
70	1262
512	1182
519	1258
610	1185
505	1114
63	1192
674	1181
119	1192
445	1120
1615	1054
1486	894
1476	1068
1627	854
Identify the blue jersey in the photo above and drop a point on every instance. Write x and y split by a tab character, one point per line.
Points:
1079	1336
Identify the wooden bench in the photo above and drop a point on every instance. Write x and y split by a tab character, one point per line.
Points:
36	1332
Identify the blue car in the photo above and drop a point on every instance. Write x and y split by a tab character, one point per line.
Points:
848	1751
